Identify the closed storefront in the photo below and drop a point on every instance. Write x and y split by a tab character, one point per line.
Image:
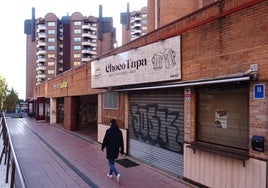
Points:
223	114
156	128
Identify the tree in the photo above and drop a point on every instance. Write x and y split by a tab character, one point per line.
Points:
3	92
11	101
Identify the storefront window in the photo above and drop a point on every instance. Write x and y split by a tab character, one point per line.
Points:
110	100
223	115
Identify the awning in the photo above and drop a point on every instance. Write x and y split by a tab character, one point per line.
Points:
193	83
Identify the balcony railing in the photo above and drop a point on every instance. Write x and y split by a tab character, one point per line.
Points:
41	68
89	27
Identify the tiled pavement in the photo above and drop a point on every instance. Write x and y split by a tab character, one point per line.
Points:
52	157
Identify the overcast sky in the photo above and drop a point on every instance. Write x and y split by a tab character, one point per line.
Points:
13	40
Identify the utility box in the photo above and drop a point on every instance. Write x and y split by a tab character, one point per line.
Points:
257	143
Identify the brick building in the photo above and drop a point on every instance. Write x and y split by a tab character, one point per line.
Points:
134	24
56	45
190	96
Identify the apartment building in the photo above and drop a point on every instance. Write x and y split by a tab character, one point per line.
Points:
134	24
55	45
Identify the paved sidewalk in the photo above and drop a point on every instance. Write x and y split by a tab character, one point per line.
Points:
52	157
3	183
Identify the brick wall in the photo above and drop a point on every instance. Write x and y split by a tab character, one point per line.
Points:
221	40
169	11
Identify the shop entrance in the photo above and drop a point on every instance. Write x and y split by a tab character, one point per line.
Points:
156	129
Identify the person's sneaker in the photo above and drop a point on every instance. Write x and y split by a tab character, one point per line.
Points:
110	176
118	178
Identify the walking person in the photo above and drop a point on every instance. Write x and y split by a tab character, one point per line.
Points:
113	142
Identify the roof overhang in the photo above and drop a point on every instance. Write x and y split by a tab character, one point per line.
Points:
193	83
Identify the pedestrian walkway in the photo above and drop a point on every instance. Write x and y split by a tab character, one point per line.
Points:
3	183
52	157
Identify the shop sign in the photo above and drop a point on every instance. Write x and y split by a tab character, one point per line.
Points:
160	61
63	85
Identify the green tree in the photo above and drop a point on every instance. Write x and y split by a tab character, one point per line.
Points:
3	92
11	101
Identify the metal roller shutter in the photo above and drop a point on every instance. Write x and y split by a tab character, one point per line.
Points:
156	128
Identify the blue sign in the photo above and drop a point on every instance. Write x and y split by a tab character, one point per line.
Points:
259	91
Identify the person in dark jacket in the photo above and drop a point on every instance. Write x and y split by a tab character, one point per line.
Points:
113	142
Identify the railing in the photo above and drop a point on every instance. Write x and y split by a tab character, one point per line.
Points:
10	157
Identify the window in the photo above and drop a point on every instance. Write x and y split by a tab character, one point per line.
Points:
51	72
223	115
77	31
110	100
51	31
144	22
144	28
51	63
77	55
51	39
77	23
51	48
76	63
77	39
51	23
144	15
52	56
77	47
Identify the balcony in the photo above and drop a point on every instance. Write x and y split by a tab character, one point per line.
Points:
41	27
89	51
89	27
85	59
92	52
85	51
135	32
41	52
89	43
41	68
135	25
41	60
41	76
38	81
40	44
42	35
135	19
89	35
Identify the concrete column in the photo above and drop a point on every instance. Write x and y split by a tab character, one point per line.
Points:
71	113
53	110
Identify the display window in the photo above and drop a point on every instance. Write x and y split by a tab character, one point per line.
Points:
223	115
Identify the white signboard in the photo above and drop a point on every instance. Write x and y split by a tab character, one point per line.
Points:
156	62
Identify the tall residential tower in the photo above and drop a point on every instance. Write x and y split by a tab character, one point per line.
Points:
56	45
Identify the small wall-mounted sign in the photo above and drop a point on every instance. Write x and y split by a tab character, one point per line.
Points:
259	91
63	85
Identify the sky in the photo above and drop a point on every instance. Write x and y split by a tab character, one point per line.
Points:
13	40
